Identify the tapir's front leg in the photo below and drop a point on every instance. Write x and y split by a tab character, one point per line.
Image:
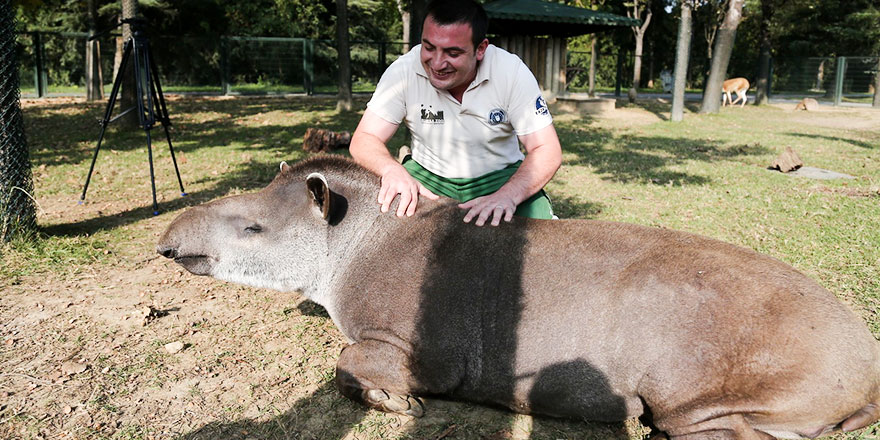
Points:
376	374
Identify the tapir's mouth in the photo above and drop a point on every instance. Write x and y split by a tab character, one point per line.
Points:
196	264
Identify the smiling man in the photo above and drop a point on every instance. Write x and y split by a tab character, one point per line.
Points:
469	105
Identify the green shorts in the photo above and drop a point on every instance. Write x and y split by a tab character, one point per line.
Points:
464	189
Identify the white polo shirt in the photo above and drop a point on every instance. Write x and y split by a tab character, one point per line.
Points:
471	138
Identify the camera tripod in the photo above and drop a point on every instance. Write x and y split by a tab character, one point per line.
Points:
150	103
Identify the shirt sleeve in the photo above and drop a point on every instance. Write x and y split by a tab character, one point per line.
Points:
528	109
389	99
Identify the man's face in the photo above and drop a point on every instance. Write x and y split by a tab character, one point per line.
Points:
449	56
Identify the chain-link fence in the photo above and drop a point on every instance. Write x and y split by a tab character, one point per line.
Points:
54	63
836	80
17	211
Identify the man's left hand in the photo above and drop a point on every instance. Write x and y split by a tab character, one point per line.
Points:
494	205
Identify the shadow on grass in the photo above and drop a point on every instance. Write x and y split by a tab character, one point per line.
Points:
321	415
661	109
60	134
66	133
567	207
860	144
648	159
248	176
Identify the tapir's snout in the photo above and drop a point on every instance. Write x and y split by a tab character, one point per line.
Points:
183	242
166	250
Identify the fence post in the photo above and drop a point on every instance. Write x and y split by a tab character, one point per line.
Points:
224	64
308	66
40	77
838	83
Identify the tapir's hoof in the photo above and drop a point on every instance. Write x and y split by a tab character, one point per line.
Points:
406	405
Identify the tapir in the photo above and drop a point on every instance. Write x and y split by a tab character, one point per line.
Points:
582	319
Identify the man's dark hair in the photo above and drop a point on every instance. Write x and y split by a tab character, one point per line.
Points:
446	12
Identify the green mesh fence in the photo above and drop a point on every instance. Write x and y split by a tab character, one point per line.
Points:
17	211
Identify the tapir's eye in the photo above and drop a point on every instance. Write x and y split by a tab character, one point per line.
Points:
253	229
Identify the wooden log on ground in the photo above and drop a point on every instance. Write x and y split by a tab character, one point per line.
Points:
318	140
787	161
808	104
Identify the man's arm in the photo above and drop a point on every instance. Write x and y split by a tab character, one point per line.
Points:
543	158
369	148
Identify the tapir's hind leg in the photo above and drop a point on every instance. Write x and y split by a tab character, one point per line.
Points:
729	427
375	374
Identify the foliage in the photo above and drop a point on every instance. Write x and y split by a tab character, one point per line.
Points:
816	28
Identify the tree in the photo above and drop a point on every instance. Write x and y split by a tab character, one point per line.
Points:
876	101
682	54
17	213
343	49
405	19
723	48
417	9
639	31
128	96
712	11
94	79
762	82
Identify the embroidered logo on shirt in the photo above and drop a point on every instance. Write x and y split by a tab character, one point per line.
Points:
497	116
541	106
431	117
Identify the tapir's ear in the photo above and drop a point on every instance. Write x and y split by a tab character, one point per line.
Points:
320	191
284	166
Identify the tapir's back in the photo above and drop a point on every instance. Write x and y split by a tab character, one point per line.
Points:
641	310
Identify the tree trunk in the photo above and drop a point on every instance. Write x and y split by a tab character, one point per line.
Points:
405	19
94	79
17	212
723	48
343	97
593	55
639	32
128	96
876	102
762	83
417	18
682	55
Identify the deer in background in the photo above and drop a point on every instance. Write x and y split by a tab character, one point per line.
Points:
736	85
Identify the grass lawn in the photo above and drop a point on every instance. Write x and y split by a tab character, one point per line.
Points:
259	364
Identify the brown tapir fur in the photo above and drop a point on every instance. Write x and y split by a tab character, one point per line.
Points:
573	318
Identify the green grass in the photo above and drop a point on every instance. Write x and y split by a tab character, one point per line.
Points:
706	175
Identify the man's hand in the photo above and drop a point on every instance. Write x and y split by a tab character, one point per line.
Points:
495	205
396	180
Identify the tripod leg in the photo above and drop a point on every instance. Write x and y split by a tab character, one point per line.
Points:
162	110
152	176
126	54
174	160
145	113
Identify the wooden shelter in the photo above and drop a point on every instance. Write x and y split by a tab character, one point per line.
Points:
538	32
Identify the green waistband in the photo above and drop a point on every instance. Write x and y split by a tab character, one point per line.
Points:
461	189
464	189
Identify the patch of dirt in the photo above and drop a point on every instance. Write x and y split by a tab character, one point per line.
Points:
846	118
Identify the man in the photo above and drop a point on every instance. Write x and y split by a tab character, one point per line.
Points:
468	105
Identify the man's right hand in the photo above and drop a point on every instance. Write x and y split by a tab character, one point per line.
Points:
396	180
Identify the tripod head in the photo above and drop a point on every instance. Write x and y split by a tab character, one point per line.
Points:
137	27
